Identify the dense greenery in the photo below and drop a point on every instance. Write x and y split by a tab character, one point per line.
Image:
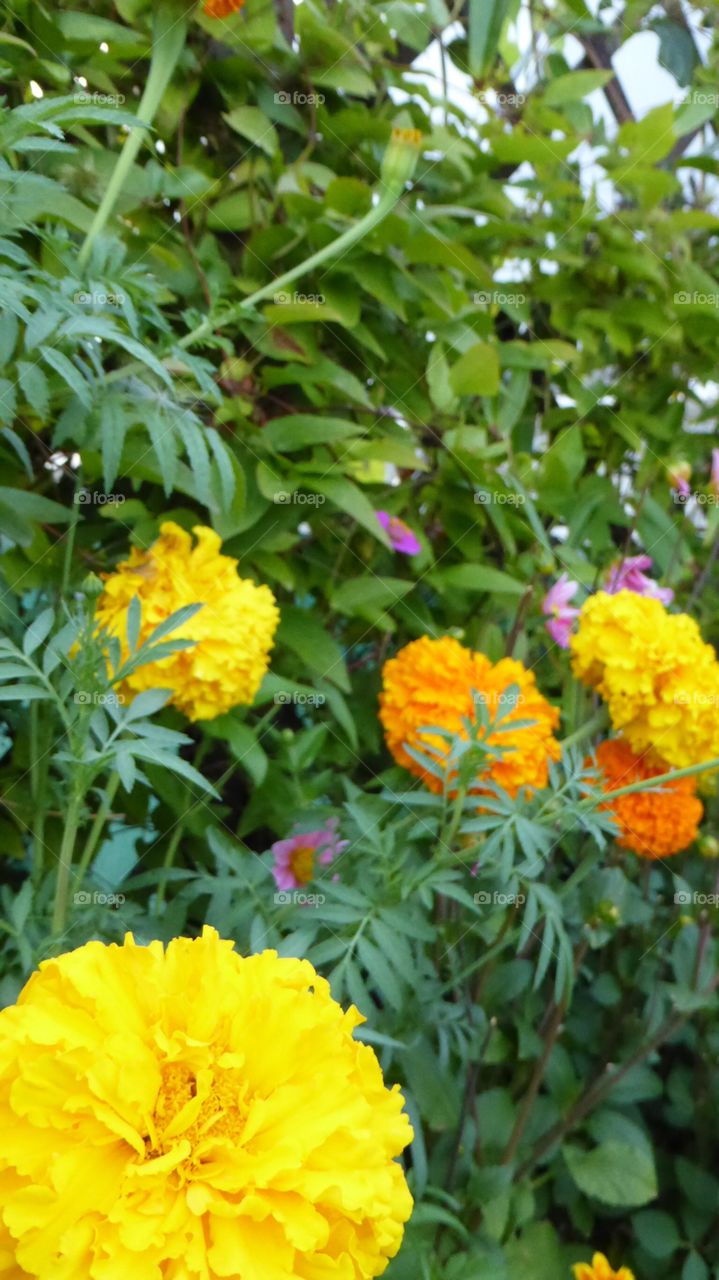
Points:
514	358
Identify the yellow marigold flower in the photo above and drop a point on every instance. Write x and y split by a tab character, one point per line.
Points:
234	629
438	682
222	8
658	677
192	1114
654	824
599	1269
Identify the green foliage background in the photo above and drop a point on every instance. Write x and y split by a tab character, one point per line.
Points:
511	361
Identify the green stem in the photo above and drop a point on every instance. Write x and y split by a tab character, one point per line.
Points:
597	721
648	784
168	40
62	885
349	237
97	827
167	862
38	778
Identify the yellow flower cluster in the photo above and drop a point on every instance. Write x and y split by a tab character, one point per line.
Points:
191	1114
599	1269
234	629
660	680
440	682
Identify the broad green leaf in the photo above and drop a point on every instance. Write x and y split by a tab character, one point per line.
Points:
613	1173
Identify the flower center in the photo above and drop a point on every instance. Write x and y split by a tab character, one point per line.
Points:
398	528
194	1106
302	863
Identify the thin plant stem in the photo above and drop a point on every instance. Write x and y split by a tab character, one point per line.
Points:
343	242
168	41
62	886
96	829
649	784
167	863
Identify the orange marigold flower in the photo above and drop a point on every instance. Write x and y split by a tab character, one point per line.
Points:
599	1269
439	682
222	8
655	824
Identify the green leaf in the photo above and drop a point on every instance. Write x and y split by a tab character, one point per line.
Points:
369	597
614	1173
476	373
479	577
656	1232
348	498
486	18
299	430
253	124
34	387
575	85
302	632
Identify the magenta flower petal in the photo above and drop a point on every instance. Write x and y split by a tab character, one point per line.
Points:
628	575
400	535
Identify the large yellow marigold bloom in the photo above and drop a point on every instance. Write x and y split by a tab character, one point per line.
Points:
599	1269
660	680
655	824
192	1114
234	629
438	682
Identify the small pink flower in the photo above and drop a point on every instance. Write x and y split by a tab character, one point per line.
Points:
628	575
557	608
298	857
714	481
400	535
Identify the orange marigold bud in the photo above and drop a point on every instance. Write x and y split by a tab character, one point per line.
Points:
654	824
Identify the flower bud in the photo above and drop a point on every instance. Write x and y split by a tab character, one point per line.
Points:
400	159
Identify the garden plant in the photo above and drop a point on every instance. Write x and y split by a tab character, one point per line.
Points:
359	614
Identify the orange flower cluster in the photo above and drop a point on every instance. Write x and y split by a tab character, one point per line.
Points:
654	824
439	683
222	8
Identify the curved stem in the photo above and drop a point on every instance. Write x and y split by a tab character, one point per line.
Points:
648	784
168	41
349	237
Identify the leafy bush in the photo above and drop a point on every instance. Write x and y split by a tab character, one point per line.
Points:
323	287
